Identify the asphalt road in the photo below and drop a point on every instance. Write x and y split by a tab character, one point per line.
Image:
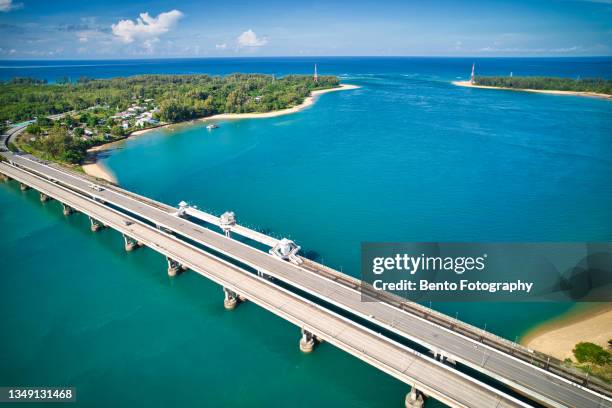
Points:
537	384
433	378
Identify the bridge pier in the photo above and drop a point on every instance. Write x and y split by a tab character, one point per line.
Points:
23	187
44	198
4	177
263	275
130	243
67	210
441	357
230	299
415	398
307	341
174	267
95	225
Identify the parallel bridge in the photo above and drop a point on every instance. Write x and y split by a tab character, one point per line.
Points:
231	264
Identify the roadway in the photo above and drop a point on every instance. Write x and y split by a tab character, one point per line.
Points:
536	383
431	377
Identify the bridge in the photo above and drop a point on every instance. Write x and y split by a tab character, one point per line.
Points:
247	272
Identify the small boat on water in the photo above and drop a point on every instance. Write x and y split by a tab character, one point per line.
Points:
211	126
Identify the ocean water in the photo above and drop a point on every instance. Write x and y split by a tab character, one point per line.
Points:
407	157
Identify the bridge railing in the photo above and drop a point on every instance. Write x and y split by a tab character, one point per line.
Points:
492	340
533	357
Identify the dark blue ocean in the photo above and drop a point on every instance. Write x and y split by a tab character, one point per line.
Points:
406	157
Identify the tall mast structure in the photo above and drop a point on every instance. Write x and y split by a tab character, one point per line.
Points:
472	76
316	76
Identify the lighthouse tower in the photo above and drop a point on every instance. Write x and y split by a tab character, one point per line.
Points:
316	76
472	76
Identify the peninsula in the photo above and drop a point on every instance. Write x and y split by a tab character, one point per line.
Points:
599	88
67	119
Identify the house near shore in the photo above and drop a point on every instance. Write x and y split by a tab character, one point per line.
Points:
146	121
135	109
124	114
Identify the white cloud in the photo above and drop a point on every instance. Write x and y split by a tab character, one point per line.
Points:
146	29
250	39
8	5
221	46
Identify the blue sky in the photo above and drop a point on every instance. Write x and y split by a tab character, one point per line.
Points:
57	29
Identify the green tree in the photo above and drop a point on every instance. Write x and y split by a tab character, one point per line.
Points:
33	129
44	122
591	353
117	131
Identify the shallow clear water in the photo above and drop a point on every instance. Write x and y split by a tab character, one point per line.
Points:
408	157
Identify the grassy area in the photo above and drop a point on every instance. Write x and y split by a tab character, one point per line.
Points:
593	359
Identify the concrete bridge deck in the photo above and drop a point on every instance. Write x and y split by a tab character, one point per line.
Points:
538	384
429	376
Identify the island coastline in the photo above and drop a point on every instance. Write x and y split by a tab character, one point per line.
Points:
468	84
557	337
94	168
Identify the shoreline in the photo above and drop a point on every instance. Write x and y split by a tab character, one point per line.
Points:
467	84
94	168
308	101
557	337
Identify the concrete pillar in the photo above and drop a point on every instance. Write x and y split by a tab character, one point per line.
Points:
174	267
4	177
67	210
307	341
130	243
415	398
230	299
263	275
441	357
23	187
44	198
95	225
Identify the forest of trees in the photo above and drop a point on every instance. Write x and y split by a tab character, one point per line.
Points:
179	97
603	86
59	146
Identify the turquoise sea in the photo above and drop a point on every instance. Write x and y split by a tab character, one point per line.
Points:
407	157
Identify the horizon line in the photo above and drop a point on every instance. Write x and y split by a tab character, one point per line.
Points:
306	56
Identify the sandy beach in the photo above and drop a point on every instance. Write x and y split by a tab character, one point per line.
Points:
94	168
468	84
308	101
592	323
98	170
